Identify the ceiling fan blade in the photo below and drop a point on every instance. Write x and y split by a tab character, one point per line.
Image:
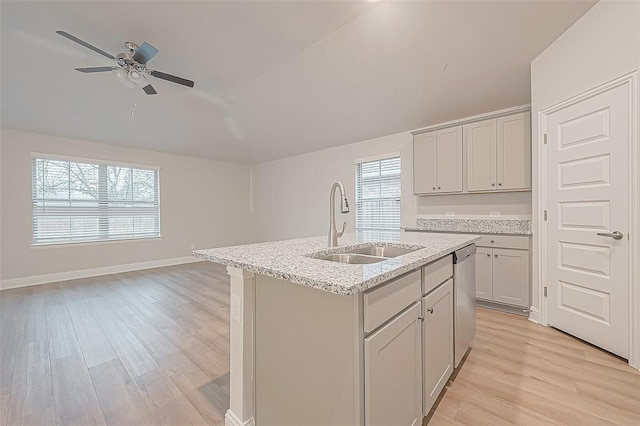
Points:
96	69
149	90
145	53
85	44
172	78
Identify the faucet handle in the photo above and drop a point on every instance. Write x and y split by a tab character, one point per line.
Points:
344	225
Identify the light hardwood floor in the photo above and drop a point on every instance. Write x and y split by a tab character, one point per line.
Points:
152	347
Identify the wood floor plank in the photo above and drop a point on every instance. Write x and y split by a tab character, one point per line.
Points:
119	399
133	355
31	387
62	336
93	343
75	398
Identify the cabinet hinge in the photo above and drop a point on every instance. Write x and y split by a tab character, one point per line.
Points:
545	291
545	138
545	215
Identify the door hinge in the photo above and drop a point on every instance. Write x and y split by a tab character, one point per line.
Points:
545	138
545	215
545	291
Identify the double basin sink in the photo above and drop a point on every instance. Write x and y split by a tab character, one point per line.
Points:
367	254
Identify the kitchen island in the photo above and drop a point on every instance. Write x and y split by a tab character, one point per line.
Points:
317	341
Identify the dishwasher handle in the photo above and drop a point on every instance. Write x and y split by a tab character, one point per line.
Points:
464	253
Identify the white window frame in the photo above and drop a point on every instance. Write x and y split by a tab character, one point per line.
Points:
103	209
358	202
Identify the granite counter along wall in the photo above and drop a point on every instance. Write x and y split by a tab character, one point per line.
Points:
476	226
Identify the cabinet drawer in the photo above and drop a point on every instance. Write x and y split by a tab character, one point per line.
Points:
384	302
436	273
504	241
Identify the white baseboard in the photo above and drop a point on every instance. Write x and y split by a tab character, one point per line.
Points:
94	272
230	419
534	315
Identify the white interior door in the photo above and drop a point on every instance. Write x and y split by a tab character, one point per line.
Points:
587	200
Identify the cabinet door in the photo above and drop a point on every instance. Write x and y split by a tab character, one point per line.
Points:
484	273
438	342
514	152
480	145
450	159
511	276
393	372
425	158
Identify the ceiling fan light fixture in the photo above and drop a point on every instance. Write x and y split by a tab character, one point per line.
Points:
136	76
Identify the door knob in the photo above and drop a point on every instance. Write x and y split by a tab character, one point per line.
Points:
616	235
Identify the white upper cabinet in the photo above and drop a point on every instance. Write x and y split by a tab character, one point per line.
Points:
514	151
425	166
480	144
437	161
450	159
498	153
487	155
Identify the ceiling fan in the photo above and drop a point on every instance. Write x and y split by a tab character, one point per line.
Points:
131	69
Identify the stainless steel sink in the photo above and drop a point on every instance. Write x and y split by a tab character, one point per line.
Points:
381	251
352	258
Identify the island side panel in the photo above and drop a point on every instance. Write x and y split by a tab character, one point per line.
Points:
242	385
308	355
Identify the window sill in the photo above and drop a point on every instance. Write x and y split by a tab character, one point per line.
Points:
94	243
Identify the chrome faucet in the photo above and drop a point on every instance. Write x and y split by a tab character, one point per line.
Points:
344	208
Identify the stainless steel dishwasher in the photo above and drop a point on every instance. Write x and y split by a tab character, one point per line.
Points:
464	294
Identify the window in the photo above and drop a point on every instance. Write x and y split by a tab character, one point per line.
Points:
378	194
82	200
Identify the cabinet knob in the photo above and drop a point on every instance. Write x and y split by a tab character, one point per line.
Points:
430	310
488	255
493	184
495	255
434	187
438	187
499	183
492	241
421	318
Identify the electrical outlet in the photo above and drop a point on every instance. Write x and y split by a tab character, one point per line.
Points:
193	246
494	214
449	213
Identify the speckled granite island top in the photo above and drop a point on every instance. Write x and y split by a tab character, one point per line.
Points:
289	260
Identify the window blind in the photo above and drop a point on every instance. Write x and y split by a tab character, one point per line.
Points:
378	194
80	201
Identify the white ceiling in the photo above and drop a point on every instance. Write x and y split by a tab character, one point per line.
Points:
273	79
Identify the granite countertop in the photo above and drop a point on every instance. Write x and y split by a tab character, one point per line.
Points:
288	260
474	226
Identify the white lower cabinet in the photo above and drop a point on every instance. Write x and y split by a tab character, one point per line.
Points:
484	273
393	371
511	276
502	275
437	342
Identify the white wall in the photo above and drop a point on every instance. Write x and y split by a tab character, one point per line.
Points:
291	195
602	45
202	201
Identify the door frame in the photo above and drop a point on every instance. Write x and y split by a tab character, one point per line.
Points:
540	240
